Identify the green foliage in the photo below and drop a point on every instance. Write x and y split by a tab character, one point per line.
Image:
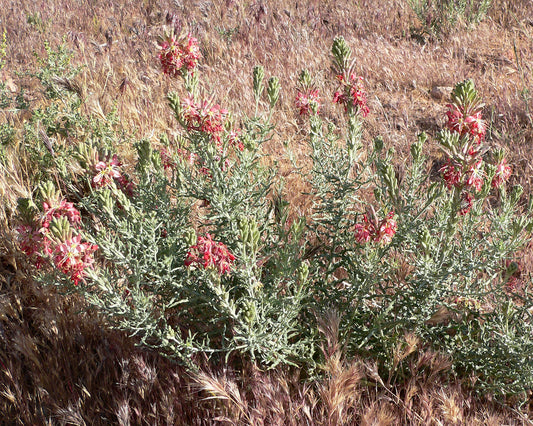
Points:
427	267
441	17
3	49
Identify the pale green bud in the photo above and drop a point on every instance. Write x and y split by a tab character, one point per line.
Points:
48	191
378	144
305	78
258	76
516	193
190	237
249	311
106	199
174	102
273	90
60	228
303	272
341	53
27	209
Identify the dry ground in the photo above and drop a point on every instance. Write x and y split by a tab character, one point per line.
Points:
60	366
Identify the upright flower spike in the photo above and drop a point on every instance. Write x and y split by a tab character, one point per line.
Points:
258	76
307	97
463	143
351	94
464	113
273	90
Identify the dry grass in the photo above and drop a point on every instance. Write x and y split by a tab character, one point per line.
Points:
58	363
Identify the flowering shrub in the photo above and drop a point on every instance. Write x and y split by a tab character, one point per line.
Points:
427	258
439	18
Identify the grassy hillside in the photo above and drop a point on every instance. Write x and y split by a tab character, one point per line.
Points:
61	364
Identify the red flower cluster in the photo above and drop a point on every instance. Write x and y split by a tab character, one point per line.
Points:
109	171
166	159
352	95
503	172
71	256
308	101
466	172
204	117
453	175
382	232
210	254
473	125
179	54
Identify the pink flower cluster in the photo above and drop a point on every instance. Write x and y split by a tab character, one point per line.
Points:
71	256
503	172
210	254
466	173
455	176
108	171
33	243
473	124
53	209
204	117
308	101
166	159
352	95
179	54
381	232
